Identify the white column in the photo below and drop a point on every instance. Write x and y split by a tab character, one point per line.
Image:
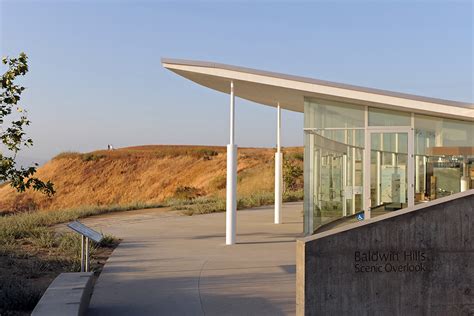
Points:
353	172
411	169
378	188
417	174
231	188
278	170
367	204
465	179
379	171
344	186
344	173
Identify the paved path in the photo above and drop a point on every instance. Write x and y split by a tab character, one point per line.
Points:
178	265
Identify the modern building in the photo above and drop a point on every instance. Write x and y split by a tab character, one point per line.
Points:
367	151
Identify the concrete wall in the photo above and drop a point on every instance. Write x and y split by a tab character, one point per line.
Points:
68	295
418	261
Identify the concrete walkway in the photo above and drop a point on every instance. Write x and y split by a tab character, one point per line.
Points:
178	265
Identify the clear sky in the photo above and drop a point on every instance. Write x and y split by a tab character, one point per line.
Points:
95	74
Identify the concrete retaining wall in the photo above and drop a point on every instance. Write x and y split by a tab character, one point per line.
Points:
69	294
418	261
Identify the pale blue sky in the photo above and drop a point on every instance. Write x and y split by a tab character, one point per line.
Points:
95	74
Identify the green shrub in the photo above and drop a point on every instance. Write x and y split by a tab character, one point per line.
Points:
292	175
108	241
296	156
293	196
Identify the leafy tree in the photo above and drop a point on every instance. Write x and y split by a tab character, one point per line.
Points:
12	134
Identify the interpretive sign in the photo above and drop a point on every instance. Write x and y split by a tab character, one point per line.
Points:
85	231
86	234
393	184
417	261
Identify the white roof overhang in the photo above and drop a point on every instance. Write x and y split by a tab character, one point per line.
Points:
269	88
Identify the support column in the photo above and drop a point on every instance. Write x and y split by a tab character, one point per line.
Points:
231	187
465	179
379	172
353	209
278	171
344	173
83	253
378	188
87	259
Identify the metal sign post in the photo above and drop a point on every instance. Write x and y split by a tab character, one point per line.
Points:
86	234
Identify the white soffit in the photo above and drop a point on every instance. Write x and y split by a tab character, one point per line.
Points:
269	88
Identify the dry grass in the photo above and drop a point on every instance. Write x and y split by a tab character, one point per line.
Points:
144	174
188	178
32	254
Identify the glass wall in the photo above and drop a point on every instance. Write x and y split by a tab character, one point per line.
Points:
412	159
334	144
444	157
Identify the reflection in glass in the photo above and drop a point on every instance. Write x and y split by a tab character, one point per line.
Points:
388	172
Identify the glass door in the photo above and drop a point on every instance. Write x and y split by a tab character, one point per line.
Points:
391	172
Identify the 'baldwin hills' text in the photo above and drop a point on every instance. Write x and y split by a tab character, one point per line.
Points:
390	261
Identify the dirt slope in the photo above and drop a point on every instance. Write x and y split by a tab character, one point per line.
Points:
145	174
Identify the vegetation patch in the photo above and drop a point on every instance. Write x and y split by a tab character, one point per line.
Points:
219	182
292	175
296	156
205	153
218	204
92	157
67	155
32	254
187	193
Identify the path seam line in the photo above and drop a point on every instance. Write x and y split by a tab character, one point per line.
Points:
199	287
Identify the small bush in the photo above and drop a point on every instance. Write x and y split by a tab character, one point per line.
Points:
108	241
23	203
292	175
206	153
220	182
92	157
296	156
186	193
293	196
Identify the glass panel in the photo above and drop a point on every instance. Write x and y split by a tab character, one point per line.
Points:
383	117
334	184
388	172
444	158
327	114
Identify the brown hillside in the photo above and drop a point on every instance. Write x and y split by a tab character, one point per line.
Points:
147	174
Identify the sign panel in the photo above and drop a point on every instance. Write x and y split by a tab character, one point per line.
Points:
85	231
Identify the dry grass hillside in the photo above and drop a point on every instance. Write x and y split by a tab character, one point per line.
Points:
145	174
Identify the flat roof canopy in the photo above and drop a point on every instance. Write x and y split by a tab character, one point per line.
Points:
269	88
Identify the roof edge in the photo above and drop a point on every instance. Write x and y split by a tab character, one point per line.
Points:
199	63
